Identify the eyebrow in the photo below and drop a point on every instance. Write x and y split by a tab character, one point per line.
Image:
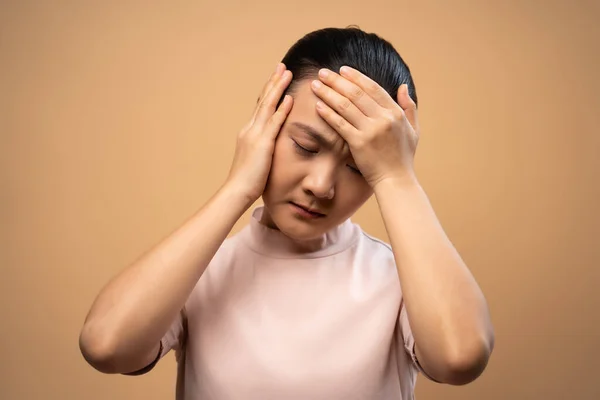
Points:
315	134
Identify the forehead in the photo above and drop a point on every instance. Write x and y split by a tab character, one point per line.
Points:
304	113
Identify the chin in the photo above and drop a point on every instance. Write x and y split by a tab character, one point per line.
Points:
295	228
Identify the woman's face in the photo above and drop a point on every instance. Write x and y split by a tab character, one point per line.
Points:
312	167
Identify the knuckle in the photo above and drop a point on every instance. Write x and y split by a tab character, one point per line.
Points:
357	93
387	121
276	118
272	121
340	123
386	125
372	86
259	110
391	118
266	90
359	143
265	106
344	105
397	115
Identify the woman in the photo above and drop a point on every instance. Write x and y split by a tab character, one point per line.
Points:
302	304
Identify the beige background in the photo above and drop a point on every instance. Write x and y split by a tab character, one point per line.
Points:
118	120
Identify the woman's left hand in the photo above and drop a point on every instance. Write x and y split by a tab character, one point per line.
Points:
382	135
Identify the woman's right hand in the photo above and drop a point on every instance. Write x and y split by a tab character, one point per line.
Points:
256	141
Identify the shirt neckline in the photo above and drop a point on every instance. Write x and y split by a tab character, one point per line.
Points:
273	243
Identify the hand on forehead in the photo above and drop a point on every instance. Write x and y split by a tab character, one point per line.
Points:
304	117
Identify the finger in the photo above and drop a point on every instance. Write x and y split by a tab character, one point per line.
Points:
372	88
408	105
350	90
275	75
346	130
272	79
342	105
268	104
276	121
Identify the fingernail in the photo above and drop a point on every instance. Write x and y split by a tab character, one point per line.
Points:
278	68
316	84
323	73
344	70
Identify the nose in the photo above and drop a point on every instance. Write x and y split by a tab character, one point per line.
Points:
320	181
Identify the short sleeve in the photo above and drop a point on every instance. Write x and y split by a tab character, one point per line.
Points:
408	340
174	339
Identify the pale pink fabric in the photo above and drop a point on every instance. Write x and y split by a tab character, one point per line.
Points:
265	322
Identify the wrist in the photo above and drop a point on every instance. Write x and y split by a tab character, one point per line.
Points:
404	181
238	193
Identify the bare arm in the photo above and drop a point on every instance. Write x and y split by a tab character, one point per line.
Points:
446	308
122	331
136	308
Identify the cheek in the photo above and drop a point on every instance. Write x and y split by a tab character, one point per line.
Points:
280	152
282	167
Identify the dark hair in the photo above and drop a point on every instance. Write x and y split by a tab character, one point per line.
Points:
333	48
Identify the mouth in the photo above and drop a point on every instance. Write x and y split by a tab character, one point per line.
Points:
305	211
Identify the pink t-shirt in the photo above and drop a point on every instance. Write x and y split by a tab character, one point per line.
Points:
267	322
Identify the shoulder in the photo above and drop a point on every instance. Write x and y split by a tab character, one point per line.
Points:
374	243
374	253
229	249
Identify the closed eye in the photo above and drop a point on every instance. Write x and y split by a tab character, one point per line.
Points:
307	153
303	150
355	170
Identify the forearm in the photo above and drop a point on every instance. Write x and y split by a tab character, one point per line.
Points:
136	308
446	308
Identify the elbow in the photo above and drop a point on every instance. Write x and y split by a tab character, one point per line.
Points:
97	350
465	371
467	365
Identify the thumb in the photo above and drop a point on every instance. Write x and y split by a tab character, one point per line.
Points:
408	105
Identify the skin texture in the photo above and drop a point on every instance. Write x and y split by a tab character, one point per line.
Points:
322	177
367	129
134	310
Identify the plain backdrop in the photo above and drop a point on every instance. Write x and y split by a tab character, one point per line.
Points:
118	121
